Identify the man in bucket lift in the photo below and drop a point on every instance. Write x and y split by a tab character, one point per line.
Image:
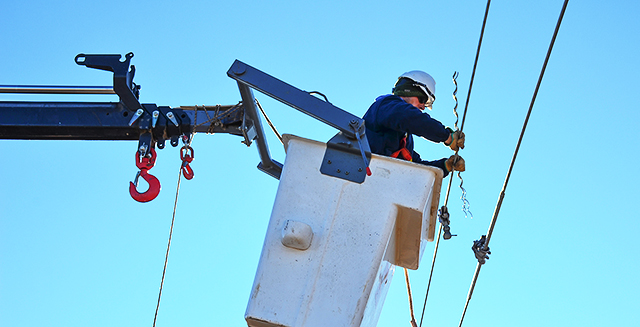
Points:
392	120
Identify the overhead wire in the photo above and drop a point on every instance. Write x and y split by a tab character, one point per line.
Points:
464	115
513	159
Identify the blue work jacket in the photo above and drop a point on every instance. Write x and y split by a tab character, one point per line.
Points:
390	118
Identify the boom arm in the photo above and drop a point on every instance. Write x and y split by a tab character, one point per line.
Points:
152	125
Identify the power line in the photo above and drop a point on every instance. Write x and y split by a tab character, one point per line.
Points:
464	115
515	154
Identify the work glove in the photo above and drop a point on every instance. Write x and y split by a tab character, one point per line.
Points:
457	140
455	162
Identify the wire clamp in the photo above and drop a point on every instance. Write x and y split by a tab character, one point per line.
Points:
443	216
480	250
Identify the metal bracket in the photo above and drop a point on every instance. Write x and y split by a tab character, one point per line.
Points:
248	129
122	76
347	153
343	159
274	169
145	143
172	124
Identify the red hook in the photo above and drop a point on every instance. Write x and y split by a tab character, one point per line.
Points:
186	155
151	193
145	163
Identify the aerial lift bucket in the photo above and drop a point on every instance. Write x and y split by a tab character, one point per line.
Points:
332	245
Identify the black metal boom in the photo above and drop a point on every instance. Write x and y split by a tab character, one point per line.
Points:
153	125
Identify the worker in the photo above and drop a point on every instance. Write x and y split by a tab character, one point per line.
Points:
393	118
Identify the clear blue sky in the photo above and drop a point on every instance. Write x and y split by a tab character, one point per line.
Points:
76	250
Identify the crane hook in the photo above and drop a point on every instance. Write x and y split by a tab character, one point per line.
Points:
151	193
144	164
186	155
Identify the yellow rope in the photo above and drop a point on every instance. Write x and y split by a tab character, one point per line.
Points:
413	318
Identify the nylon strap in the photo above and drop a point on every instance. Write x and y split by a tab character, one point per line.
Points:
403	153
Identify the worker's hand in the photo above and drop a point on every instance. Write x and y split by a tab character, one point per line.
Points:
455	162
457	140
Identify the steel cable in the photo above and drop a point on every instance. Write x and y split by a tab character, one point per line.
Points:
464	115
513	159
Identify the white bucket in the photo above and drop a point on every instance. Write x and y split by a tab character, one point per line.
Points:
331	244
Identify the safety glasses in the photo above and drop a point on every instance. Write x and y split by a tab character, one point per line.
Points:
426	100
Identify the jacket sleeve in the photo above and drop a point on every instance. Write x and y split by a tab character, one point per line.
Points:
394	113
434	163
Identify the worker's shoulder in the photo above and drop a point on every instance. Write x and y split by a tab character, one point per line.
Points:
389	100
387	106
388	97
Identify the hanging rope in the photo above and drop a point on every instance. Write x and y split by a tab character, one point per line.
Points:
513	160
464	115
166	257
433	263
273	127
413	318
173	219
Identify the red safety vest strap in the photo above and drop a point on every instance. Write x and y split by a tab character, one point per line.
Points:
403	153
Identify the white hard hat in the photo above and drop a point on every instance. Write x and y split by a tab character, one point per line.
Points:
425	82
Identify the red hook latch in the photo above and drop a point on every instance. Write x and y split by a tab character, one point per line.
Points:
145	163
186	155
